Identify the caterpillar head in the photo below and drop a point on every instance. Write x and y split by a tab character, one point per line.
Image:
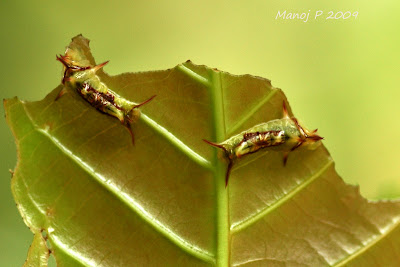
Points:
309	138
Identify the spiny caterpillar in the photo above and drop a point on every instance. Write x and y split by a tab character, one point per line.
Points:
94	91
284	134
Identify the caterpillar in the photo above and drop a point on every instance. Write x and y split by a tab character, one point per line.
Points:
93	90
284	134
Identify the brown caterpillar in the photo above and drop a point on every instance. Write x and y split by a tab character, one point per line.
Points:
284	134
94	91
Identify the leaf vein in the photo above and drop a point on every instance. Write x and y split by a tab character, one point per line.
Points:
254	218
195	76
129	202
350	257
251	112
177	142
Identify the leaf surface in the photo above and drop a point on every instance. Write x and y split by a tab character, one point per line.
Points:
162	201
38	254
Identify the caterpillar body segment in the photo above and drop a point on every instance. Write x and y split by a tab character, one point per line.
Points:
89	86
284	135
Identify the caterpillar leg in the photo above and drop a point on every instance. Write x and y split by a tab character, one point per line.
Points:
286	153
127	123
285	157
128	126
131	116
230	164
134	113
215	145
64	60
228	172
96	68
285	111
145	102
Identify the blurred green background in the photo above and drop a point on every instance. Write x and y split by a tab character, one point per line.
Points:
341	76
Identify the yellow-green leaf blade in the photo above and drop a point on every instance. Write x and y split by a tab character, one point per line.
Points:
103	201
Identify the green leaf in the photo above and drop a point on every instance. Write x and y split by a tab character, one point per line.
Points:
38	254
103	201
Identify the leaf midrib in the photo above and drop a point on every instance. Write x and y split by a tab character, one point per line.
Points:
213	83
222	208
